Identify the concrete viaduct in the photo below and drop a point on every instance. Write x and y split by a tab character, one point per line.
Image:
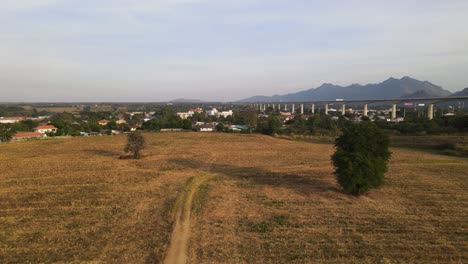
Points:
430	100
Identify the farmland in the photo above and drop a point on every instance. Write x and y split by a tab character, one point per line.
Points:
249	199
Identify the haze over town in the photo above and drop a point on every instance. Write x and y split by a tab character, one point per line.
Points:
56	50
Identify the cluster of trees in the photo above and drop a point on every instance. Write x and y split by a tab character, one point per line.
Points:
439	125
167	118
317	124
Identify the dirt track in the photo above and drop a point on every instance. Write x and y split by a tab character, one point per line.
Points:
177	252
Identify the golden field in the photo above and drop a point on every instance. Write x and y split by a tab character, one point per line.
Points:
251	199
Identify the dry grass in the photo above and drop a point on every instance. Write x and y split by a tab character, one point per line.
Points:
269	200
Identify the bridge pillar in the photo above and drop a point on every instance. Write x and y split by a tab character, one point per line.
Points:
393	111
313	108
285	107
365	110
293	109
302	109
430	111
273	107
343	109
279	107
326	109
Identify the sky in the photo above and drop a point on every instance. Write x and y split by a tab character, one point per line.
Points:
223	50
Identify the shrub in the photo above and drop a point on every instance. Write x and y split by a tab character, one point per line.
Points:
361	157
135	143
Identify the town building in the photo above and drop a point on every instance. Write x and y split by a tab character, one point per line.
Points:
11	120
103	122
27	135
45	129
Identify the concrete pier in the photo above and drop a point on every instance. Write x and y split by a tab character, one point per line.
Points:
393	111
313	108
326	109
293	109
343	109
365	110
285	107
302	109
430	111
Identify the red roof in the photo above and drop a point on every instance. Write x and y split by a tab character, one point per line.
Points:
28	135
46	127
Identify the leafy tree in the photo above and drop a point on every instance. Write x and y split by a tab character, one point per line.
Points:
361	157
271	126
220	127
6	133
135	143
251	118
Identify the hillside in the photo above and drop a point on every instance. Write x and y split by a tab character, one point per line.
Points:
463	92
72	201
391	88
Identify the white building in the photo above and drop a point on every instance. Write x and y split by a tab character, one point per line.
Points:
46	129
226	113
184	115
215	112
11	120
209	127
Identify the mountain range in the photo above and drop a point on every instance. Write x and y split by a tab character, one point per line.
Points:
405	87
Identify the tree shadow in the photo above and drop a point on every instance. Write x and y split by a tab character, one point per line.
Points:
258	176
103	152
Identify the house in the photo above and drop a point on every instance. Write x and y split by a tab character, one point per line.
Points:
208	127
195	110
184	115
225	113
215	112
212	112
45	129
11	120
121	122
84	134
27	135
133	128
103	122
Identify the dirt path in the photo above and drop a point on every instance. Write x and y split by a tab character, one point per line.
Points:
177	252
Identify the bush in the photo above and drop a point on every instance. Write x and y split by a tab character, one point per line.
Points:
361	157
136	142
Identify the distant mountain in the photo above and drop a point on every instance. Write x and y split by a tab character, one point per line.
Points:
463	92
184	100
405	87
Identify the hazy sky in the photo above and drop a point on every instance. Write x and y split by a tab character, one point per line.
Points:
142	50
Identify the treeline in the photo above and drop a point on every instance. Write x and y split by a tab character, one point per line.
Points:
328	125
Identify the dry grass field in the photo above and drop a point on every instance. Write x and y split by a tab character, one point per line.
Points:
249	199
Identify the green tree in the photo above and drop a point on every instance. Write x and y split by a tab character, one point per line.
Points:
250	117
220	127
6	133
135	143
361	157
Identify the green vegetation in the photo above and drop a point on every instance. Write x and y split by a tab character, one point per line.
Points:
6	133
135	143
361	157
